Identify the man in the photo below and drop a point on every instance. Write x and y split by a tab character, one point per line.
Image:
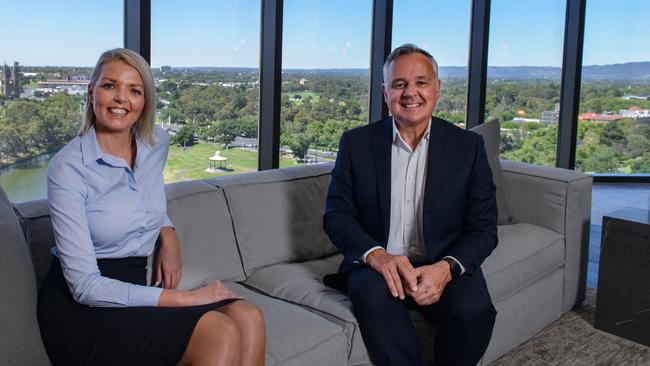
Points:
412	208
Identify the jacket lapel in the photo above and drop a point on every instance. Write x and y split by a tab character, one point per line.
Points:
381	154
437	160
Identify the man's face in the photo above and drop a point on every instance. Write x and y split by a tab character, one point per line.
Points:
411	89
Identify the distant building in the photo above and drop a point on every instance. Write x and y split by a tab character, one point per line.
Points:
243	143
58	86
165	69
599	118
639	115
635	97
551	117
525	120
10	81
303	81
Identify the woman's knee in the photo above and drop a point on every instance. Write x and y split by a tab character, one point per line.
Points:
246	314
219	328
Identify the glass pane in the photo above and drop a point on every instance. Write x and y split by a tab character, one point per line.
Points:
614	120
449	48
524	70
326	53
205	58
49	49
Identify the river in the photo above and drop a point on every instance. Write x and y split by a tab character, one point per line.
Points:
26	181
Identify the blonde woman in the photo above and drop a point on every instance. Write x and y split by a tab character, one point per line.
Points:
107	204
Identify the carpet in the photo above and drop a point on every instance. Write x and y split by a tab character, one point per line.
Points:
573	340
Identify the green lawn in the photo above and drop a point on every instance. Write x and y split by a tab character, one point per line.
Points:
314	97
191	162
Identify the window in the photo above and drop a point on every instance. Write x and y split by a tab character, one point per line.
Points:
524	71
326	53
445	37
614	120
205	58
49	50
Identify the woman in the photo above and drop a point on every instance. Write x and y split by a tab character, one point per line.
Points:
108	207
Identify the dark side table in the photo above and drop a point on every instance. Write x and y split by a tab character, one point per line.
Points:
623	297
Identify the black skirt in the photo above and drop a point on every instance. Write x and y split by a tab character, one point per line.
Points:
76	334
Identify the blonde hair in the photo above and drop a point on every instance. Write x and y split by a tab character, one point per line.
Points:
144	126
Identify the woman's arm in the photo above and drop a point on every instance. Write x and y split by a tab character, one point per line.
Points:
169	264
67	193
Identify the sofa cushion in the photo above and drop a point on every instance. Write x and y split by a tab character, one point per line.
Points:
301	283
200	214
20	338
34	217
277	215
525	253
491	132
296	336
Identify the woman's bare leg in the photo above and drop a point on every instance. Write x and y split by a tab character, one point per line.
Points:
216	340
250	321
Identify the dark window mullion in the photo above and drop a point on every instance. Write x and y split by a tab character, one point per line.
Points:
477	63
380	47
270	84
137	27
570	89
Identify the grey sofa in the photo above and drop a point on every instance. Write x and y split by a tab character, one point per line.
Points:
261	233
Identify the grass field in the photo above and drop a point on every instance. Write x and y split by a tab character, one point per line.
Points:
191	162
314	97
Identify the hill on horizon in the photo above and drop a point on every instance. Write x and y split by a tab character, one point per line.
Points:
638	71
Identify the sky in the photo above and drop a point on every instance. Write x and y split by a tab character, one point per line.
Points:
318	33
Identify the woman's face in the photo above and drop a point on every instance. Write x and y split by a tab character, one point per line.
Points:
117	97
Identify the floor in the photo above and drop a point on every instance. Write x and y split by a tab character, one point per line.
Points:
606	198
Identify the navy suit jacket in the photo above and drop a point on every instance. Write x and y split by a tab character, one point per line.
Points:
459	213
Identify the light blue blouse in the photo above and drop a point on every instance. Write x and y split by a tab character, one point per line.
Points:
100	208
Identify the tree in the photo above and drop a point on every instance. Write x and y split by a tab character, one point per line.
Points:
185	136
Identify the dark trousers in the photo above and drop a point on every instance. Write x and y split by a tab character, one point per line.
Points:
464	316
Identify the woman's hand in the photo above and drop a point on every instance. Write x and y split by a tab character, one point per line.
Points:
213	292
169	265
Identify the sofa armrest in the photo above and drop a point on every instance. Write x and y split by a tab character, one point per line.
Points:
34	218
559	200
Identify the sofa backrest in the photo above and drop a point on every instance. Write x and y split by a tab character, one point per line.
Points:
199	212
20	338
277	214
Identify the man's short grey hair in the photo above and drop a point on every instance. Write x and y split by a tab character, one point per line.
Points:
405	50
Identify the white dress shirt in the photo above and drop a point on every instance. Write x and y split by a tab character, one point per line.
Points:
408	176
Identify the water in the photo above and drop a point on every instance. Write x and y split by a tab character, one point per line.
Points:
26	181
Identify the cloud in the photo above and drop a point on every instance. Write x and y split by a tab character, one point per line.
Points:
243	41
348	44
236	48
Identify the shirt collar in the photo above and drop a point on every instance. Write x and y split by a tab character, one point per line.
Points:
396	133
91	151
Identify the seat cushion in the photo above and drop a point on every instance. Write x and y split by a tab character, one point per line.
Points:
525	253
301	283
295	336
199	212
20	338
491	133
